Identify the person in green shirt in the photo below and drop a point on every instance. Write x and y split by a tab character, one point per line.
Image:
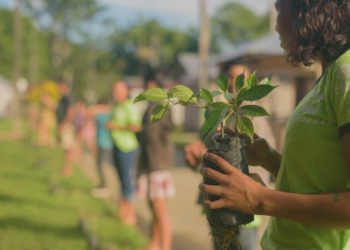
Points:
125	122
310	206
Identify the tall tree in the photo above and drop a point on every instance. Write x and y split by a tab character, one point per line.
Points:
32	8
67	21
235	23
149	42
17	65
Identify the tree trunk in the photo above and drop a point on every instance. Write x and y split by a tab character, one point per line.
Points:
204	45
91	74
17	67
33	55
55	55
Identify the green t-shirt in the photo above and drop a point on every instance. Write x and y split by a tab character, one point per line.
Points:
125	114
313	159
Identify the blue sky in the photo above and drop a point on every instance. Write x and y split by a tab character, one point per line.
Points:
180	14
174	13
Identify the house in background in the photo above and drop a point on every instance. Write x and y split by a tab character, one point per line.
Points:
188	73
6	98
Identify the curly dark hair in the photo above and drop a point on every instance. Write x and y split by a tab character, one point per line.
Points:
321	26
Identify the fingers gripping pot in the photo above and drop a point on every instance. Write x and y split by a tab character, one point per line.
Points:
230	149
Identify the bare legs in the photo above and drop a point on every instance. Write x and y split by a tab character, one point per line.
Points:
161	226
68	162
127	212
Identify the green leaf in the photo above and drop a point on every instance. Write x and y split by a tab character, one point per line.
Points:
159	112
216	93
266	81
229	96
210	110
222	82
215	116
154	95
219	104
139	98
252	81
239	82
245	126
239	96
254	111
206	114
171	93
184	94
256	93
206	95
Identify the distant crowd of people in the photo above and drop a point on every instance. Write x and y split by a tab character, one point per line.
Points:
114	131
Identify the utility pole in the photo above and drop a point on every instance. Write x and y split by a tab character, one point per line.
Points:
90	93
17	66
204	45
33	54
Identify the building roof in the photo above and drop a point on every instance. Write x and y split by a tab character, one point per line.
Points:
138	82
268	45
190	63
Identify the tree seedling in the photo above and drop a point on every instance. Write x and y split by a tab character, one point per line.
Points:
224	222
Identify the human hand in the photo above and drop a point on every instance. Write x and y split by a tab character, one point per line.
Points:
236	190
257	152
194	153
111	125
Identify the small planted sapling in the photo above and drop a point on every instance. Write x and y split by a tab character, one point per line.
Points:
224	223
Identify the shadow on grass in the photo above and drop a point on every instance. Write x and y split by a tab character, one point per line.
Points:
22	201
26	225
16	176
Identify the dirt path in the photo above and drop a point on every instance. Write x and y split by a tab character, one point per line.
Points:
189	224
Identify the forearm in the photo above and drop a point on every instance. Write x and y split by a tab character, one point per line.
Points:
99	109
273	162
69	117
322	210
132	128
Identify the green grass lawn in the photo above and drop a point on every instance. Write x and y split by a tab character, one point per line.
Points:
39	210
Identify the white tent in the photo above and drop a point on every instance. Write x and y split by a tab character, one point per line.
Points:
6	98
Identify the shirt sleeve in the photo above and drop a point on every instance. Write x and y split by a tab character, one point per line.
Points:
340	96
